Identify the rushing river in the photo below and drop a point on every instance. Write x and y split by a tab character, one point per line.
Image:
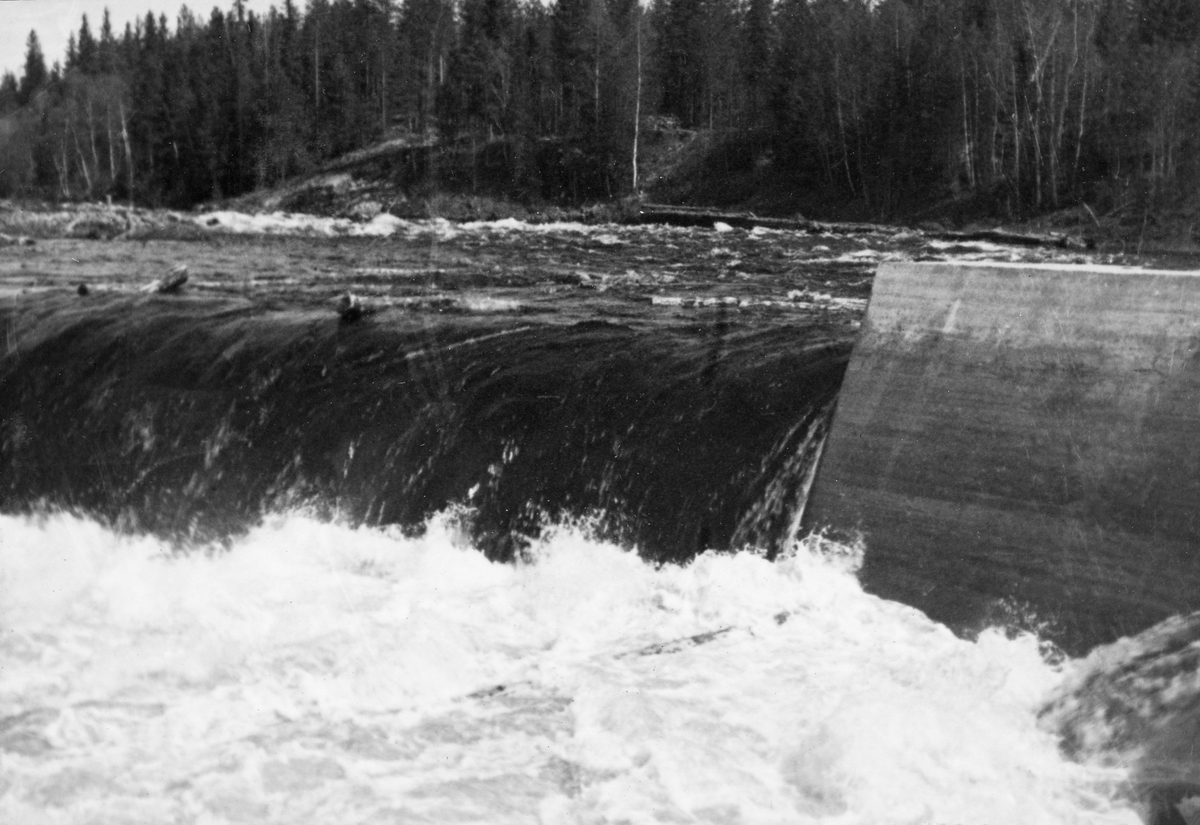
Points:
519	545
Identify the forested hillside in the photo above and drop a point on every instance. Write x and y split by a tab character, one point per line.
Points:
1020	105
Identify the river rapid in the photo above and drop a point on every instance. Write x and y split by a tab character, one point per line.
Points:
520	544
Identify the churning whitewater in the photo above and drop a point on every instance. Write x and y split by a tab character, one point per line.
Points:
313	672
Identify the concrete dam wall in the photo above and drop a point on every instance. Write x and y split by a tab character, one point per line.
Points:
1016	441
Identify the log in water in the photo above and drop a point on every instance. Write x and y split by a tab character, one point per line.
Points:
1013	437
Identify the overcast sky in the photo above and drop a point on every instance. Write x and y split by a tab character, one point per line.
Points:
55	20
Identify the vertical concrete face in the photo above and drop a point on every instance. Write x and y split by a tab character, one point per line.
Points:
1015	436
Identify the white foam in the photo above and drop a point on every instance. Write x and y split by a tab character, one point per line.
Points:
489	303
859	256
516	225
319	673
385	225
382	225
289	223
974	246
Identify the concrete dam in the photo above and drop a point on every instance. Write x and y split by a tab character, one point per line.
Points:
1024	438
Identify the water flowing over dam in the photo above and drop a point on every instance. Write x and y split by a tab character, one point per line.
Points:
525	542
194	417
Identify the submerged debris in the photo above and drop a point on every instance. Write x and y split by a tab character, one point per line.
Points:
675	645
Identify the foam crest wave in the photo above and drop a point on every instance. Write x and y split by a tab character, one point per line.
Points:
314	672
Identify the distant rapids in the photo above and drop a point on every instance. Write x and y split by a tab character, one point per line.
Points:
519	544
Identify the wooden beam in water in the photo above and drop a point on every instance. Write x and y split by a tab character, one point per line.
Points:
1015	437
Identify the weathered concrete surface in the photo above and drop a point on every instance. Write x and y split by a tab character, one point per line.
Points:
1024	436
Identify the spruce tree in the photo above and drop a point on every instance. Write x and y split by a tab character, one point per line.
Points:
87	47
35	70
10	96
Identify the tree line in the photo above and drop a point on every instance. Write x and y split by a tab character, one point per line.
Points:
1023	104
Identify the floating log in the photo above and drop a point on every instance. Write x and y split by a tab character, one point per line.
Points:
1001	236
1016	439
676	645
702	217
699	216
695	216
171	282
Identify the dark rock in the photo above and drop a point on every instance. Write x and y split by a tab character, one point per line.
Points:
350	308
1137	702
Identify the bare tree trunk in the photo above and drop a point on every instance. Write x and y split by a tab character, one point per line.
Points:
87	176
1016	126
1063	113
968	151
1035	134
845	147
637	97
426	113
596	85
128	149
837	96
112	158
266	51
62	185
1082	111
92	140
994	130
383	116
64	169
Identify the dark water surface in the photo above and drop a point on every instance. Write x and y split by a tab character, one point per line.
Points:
506	371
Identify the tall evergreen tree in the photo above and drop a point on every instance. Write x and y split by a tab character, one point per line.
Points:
757	42
482	68
10	95
87	47
35	75
427	34
106	52
585	41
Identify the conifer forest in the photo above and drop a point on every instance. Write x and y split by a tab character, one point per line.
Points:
1022	105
